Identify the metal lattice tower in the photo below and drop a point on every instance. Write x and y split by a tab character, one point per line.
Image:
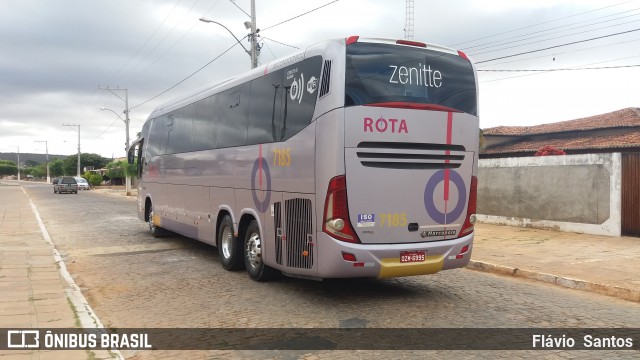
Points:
408	22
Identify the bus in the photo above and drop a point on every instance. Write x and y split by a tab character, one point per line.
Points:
355	157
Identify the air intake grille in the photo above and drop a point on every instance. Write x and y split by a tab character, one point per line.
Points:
277	225
299	238
394	155
326	79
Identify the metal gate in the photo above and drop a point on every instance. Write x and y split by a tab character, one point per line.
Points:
631	194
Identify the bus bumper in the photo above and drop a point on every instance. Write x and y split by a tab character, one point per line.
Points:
383	260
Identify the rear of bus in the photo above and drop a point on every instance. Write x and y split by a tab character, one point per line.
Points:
405	204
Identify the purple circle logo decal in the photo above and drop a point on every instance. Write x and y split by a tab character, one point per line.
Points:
429	192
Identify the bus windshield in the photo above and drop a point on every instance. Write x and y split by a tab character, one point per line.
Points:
380	73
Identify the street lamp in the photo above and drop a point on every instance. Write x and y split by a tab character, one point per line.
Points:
46	145
252	36
126	122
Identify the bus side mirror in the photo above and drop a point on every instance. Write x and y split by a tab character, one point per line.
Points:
131	156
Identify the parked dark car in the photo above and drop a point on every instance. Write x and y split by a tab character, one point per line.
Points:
66	184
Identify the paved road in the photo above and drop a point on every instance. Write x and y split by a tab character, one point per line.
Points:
134	280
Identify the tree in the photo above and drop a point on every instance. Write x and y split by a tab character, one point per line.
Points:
70	165
121	168
31	163
8	168
56	168
39	171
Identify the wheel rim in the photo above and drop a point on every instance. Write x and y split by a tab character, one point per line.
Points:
254	250
226	242
152	227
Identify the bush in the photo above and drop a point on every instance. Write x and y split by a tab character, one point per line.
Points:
94	179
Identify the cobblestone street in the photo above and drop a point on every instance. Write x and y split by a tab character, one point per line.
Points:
134	280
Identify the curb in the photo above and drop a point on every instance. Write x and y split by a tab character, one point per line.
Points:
610	290
87	317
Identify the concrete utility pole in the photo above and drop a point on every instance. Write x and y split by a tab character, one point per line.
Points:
78	144
126	122
253	36
18	162
46	145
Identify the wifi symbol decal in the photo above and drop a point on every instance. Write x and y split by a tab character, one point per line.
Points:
297	89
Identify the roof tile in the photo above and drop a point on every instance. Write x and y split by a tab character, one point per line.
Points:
629	117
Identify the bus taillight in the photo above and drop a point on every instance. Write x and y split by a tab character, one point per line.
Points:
336	212
471	209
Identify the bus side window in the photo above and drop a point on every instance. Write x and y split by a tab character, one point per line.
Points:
301	85
266	108
234	115
205	128
140	158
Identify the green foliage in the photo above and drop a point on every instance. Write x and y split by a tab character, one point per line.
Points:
115	169
119	169
31	163
70	164
94	179
56	168
6	169
39	171
7	162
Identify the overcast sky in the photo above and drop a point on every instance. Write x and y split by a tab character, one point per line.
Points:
54	54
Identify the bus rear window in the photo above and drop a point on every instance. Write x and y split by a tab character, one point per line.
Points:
379	73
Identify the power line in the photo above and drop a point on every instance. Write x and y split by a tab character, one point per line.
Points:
561	53
148	39
575	67
236	5
188	77
542	23
297	16
543	40
557	46
565	69
281	43
555	32
167	34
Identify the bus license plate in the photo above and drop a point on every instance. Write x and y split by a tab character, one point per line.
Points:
412	256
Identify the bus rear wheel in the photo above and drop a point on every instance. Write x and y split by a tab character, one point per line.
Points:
229	246
253	260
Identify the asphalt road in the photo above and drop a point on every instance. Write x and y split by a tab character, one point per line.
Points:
134	280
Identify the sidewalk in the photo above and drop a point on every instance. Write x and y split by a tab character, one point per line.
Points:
37	291
602	264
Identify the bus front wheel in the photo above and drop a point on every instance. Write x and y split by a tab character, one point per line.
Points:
155	230
253	260
229	246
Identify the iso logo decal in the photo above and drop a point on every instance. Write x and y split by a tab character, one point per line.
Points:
23	339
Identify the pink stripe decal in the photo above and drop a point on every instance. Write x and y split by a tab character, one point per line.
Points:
260	167
447	171
448	152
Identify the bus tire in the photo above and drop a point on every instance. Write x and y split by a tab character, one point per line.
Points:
156	231
229	246
253	260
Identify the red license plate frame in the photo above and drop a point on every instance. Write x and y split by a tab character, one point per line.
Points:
413	256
